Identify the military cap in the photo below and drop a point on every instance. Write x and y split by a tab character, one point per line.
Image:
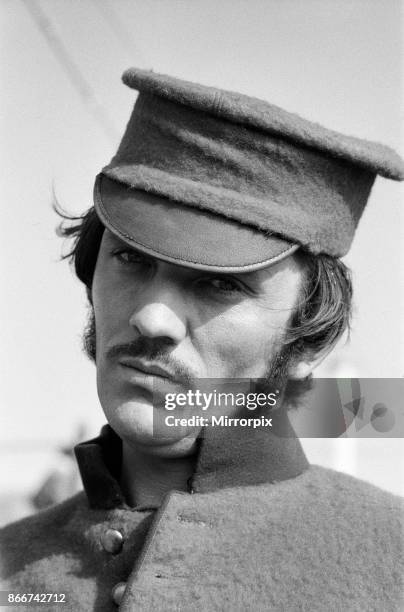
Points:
217	180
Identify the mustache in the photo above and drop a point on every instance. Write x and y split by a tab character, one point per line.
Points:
156	350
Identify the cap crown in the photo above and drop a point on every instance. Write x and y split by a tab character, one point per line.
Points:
248	161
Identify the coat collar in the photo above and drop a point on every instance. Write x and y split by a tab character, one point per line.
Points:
227	457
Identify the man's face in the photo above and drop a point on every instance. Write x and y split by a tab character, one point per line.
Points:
162	327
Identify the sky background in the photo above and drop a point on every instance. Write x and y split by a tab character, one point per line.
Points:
62	112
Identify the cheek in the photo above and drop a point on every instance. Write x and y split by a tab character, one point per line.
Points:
111	313
241	339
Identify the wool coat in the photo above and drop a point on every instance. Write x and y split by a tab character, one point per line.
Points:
258	530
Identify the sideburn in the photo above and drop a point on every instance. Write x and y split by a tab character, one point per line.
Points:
88	339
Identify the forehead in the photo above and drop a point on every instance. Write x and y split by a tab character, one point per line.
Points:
282	272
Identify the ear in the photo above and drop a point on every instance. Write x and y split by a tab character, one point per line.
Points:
306	363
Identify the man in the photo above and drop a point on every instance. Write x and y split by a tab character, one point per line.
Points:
211	259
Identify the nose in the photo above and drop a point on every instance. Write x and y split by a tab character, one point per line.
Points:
161	314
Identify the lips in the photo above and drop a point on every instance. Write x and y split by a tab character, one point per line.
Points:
150	369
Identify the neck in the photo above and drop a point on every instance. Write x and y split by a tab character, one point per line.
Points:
146	478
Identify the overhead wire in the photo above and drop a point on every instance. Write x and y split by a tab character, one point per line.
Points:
72	70
122	34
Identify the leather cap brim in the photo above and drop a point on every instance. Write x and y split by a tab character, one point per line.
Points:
184	235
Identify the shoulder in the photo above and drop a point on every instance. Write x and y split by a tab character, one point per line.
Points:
322	487
328	493
36	535
340	512
329	504
347	491
54	551
330	531
54	516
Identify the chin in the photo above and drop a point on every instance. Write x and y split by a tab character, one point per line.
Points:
142	426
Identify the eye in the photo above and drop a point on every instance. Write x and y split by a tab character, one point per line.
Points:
129	257
224	285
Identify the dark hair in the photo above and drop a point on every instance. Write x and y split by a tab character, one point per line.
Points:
322	316
323	311
86	232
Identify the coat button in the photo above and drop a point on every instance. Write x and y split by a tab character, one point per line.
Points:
112	541
118	592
